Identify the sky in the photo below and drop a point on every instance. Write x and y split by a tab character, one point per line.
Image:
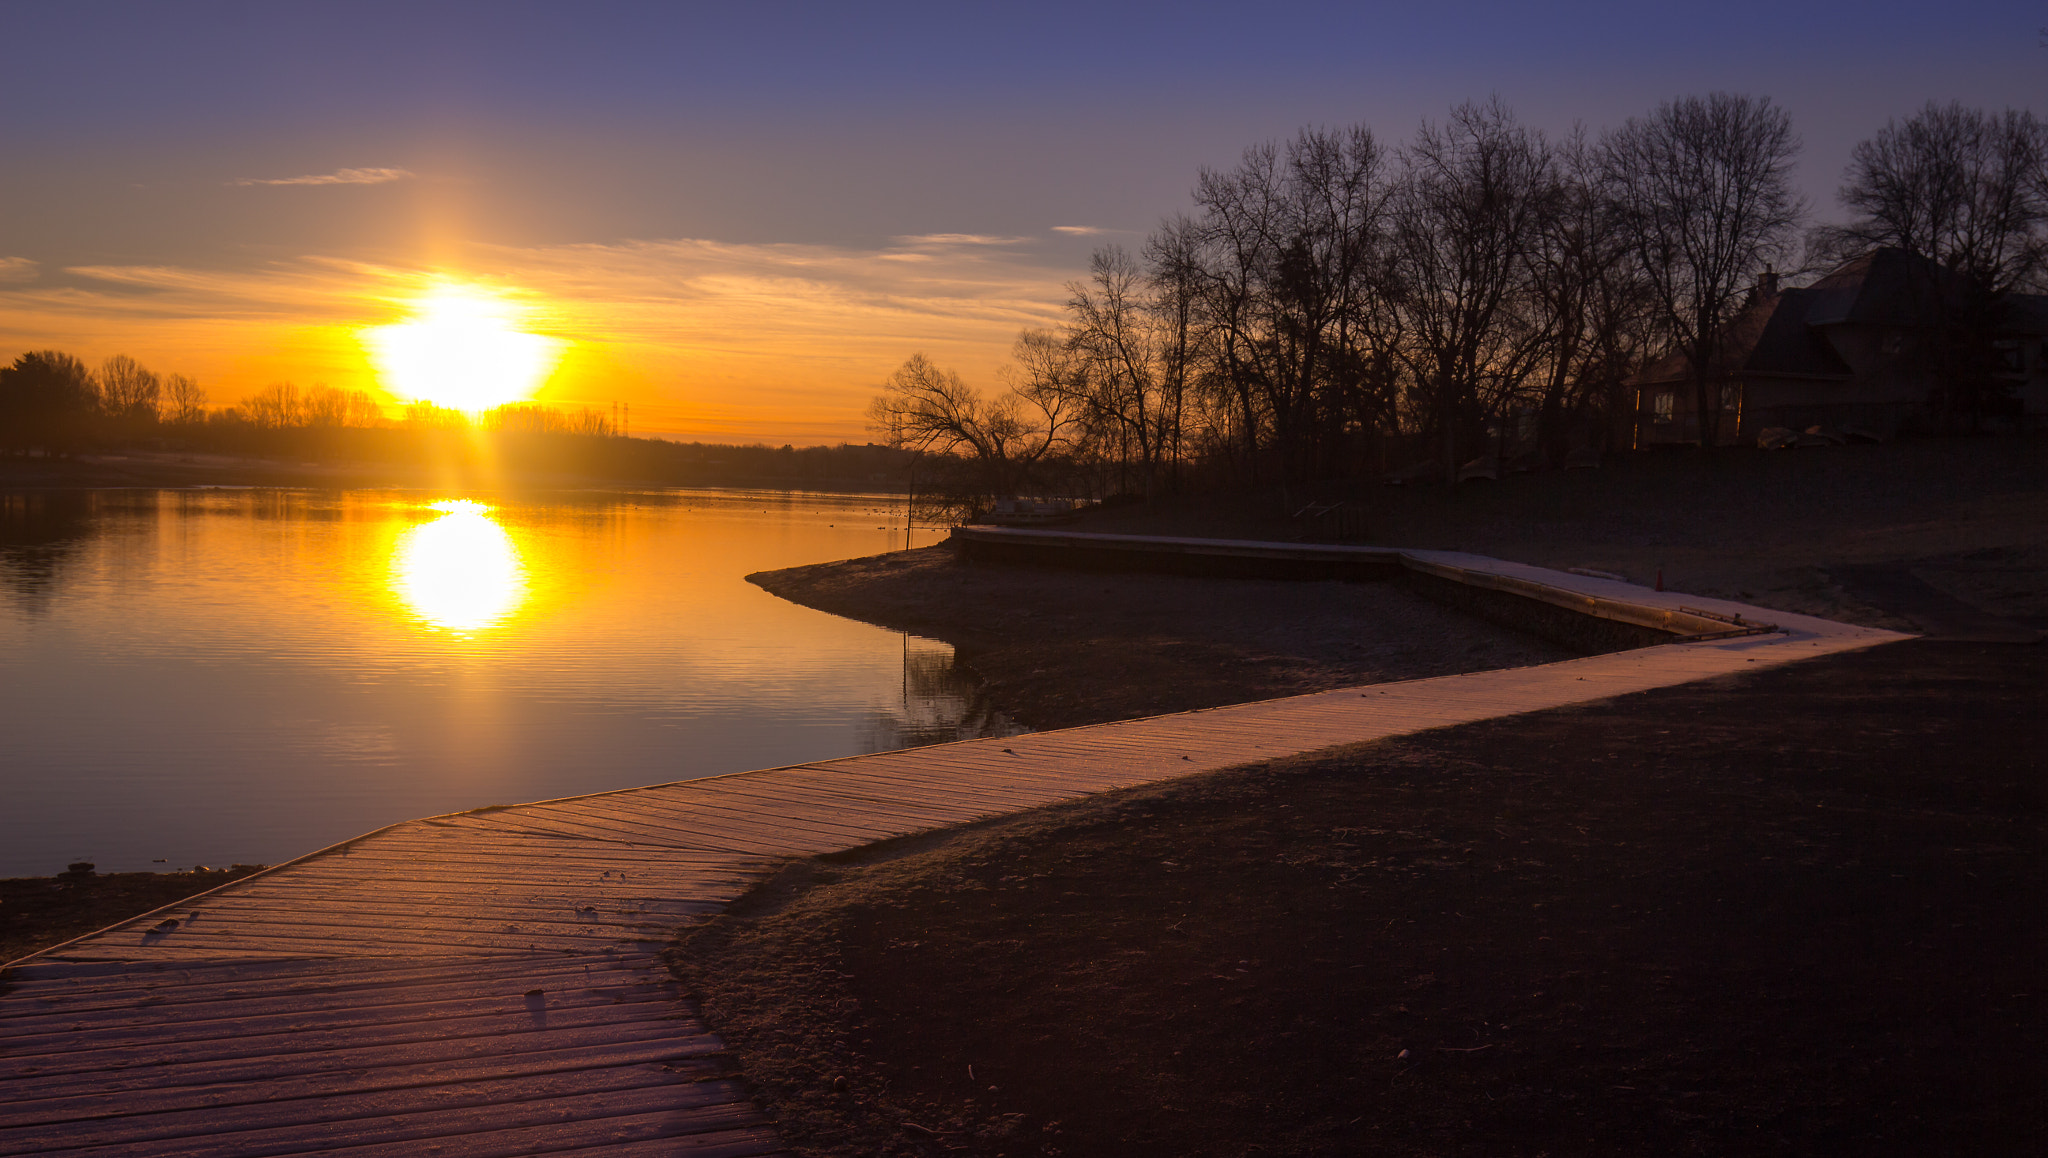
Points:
739	219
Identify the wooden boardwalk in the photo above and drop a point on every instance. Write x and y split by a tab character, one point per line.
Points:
488	983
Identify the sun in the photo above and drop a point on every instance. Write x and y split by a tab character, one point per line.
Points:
463	348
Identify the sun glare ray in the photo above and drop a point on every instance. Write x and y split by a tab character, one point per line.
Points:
461	571
464	349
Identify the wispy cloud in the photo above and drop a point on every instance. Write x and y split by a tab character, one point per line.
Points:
948	240
17	269
1081	230
338	177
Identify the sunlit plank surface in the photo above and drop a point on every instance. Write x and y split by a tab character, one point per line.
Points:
487	983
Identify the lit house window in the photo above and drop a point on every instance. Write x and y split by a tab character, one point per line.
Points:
1667	405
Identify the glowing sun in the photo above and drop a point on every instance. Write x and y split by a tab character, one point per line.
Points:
464	348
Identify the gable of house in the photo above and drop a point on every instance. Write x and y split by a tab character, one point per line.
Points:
1838	352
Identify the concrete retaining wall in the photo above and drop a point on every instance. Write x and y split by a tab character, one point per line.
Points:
1585	622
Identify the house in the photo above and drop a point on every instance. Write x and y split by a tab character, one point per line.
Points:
1852	351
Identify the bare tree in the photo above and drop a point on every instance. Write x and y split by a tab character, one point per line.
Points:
999	441
1172	257
1240	230
276	406
1586	300
1336	328
1287	244
324	405
1967	191
128	389
1962	186
183	399
1703	187
1477	194
1117	366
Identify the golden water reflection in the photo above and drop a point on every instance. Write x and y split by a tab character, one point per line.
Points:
460	571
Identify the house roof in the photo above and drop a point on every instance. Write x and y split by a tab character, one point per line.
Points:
1784	334
1881	288
1771	336
1788	340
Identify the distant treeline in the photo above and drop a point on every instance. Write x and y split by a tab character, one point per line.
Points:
1339	306
51	403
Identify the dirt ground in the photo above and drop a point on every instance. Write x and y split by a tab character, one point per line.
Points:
1792	912
38	912
1969	516
1796	912
1054	649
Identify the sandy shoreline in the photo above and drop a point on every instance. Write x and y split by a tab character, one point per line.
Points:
1056	649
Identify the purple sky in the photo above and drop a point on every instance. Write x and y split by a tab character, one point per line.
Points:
567	149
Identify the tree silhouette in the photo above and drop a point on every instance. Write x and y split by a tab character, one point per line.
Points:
128	389
1704	189
47	400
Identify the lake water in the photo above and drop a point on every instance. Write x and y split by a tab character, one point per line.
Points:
218	676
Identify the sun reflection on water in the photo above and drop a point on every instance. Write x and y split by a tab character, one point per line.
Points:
460	572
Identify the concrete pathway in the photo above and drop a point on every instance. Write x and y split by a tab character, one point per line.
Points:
488	983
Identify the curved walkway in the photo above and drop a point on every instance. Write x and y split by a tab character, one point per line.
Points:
488	983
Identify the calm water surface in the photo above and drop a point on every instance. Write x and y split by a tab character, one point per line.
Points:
204	677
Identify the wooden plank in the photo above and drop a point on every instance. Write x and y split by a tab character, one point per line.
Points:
512	1013
170	988
753	840
967	787
692	1063
571	910
258	1071
285	946
677	813
863	813
669	1109
132	1127
254	1022
685	832
289	1043
740	806
577	907
446	870
124	980
45	981
718	1132
303	935
756	1142
412	894
154	1012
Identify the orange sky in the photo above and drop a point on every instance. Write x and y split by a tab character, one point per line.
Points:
703	340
